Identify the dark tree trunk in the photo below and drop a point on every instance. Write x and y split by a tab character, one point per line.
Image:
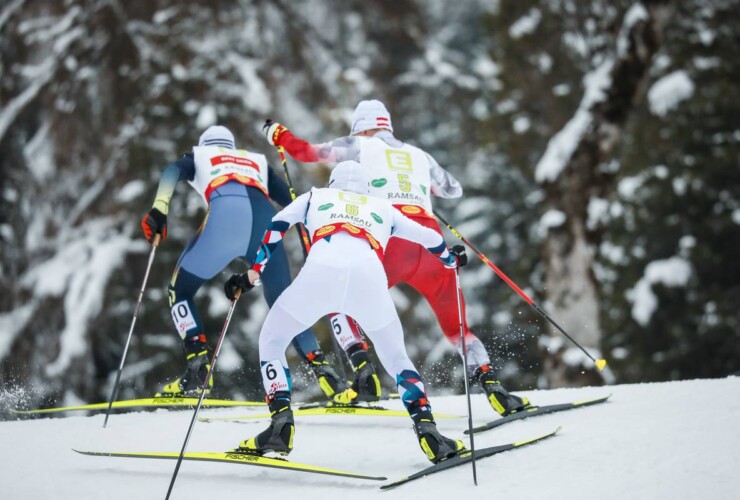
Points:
572	292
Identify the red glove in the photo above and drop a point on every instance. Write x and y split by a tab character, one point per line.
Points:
273	131
155	222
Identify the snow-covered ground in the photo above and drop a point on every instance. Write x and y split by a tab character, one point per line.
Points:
677	440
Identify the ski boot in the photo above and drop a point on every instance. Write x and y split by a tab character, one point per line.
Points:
366	385
436	446
191	382
329	382
278	437
501	400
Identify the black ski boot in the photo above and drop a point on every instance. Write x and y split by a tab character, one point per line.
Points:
501	400
436	446
278	437
329	381
366	385
191	382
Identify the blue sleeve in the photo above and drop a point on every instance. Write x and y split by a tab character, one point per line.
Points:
186	166
278	188
181	169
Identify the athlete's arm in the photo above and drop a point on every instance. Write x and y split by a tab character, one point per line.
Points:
294	213
278	188
341	149
180	170
444	184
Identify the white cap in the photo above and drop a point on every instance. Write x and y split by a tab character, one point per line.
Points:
217	135
349	176
370	115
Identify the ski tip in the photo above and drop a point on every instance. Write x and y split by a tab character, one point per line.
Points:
535	439
600	364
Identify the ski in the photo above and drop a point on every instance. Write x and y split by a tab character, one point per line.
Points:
233	457
163	402
537	410
466	457
334	409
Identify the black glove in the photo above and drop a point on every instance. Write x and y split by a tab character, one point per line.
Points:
237	282
459	252
154	222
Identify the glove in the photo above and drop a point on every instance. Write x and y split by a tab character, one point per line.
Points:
154	222
273	131
237	282
460	255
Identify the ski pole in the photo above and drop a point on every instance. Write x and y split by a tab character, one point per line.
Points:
302	232
203	390
114	392
306	245
465	375
600	363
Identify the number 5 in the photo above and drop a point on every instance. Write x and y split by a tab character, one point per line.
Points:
403	183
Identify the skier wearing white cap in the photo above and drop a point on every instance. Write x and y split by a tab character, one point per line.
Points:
236	185
407	177
350	231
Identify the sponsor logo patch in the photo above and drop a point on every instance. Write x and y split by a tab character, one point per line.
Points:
410	209
325	230
352	229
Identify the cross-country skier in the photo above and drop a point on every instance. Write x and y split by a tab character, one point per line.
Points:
237	187
343	272
407	177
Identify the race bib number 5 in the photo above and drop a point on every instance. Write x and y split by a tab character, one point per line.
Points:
345	333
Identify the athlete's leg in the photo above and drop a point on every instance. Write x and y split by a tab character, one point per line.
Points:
275	279
220	239
439	286
276	276
409	262
300	305
389	345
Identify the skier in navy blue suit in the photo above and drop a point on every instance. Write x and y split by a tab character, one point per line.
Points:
237	186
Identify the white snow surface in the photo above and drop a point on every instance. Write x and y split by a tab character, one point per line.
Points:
674	440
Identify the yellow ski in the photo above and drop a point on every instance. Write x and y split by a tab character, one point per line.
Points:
237	458
369	411
145	403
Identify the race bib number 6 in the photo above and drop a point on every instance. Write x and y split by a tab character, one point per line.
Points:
274	377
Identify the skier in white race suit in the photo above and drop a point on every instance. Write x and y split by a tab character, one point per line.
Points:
349	231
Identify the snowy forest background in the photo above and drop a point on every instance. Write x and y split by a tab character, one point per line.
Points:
597	142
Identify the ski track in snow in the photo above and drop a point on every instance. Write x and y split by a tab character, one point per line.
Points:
676	440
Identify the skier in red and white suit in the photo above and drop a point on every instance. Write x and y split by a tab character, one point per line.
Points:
407	177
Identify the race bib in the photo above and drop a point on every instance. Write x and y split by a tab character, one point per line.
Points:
183	317
274	377
345	331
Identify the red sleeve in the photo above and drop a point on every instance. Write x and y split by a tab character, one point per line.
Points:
299	149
